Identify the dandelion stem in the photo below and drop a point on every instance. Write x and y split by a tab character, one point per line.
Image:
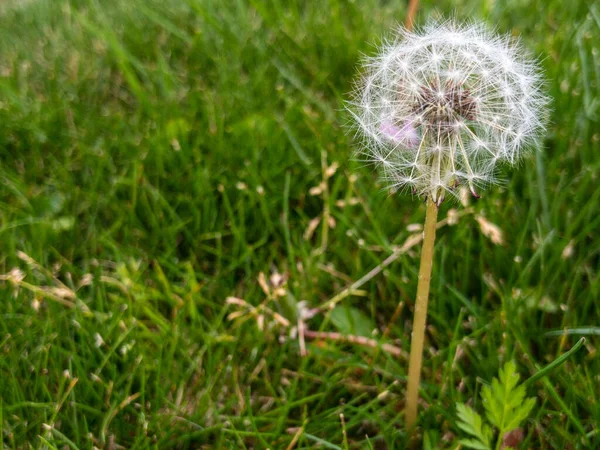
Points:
418	332
412	12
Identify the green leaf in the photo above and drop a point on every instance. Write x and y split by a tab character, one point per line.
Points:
474	443
471	423
496	397
349	320
427	442
504	401
520	414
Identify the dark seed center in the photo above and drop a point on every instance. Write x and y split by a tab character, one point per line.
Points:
442	107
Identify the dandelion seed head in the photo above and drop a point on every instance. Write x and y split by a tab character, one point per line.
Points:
447	104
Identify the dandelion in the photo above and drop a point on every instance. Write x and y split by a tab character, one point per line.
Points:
440	107
447	105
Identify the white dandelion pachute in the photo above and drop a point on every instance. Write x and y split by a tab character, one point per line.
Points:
445	105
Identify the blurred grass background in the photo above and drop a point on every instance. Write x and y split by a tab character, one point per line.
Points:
157	156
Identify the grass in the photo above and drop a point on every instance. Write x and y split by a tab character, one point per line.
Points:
158	157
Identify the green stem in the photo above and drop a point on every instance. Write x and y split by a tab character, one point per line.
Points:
420	317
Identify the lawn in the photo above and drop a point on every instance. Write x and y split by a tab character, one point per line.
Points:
192	257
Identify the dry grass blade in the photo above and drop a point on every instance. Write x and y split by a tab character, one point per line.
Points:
359	340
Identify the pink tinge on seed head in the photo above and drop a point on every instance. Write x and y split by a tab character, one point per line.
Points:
406	135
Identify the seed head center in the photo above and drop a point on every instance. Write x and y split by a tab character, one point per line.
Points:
443	107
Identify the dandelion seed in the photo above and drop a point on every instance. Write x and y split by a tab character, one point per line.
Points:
445	106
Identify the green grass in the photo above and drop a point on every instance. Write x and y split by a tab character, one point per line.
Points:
157	156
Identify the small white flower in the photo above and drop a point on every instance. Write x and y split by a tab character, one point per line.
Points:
445	105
